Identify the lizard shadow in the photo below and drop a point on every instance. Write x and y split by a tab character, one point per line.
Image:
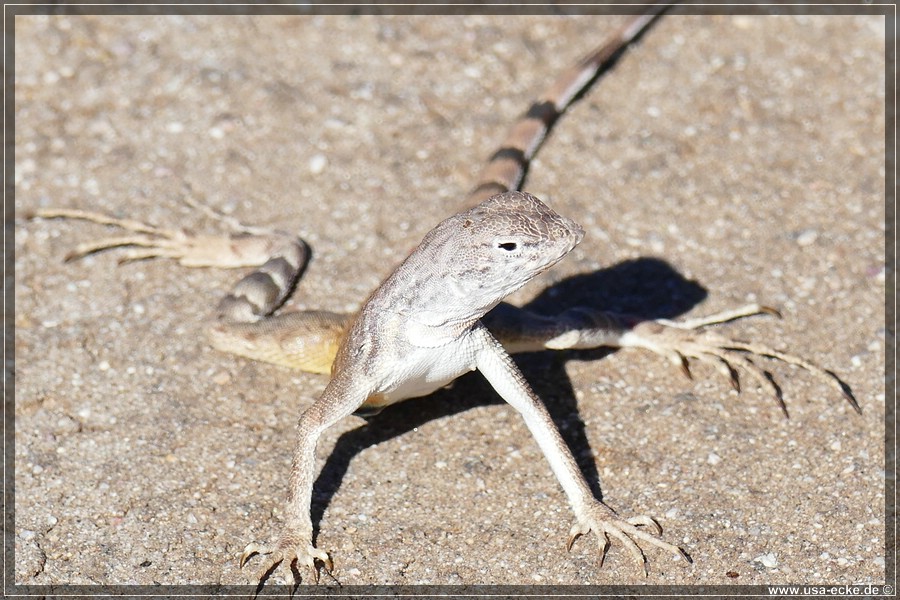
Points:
647	287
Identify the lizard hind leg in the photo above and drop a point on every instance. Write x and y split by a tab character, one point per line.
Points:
678	341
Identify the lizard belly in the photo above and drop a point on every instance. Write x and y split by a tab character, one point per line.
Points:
423	371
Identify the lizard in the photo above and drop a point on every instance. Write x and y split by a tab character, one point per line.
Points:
403	343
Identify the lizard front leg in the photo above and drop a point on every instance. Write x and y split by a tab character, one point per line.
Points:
294	547
520	330
591	513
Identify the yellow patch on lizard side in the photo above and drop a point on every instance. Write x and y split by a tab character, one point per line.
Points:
305	341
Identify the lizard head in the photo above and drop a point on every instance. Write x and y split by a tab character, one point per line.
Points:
491	250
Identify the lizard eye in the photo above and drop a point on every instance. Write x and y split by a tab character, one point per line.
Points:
508	246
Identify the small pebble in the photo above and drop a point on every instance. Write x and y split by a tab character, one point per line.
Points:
807	237
767	560
317	164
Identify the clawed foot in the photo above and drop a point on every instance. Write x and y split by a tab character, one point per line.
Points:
246	246
293	553
681	341
601	519
145	241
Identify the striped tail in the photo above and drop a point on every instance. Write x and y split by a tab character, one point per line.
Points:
508	166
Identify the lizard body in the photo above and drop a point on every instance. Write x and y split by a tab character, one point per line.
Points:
404	344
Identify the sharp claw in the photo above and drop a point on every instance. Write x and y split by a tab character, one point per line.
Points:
603	549
729	372
249	552
574	533
770	311
687	557
733	380
847	393
779	397
782	405
849	398
685	367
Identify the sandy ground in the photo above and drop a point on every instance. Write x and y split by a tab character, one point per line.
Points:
727	160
